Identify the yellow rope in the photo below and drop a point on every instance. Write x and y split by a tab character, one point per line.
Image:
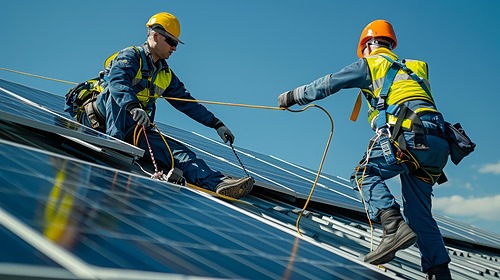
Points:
291	259
321	163
37	76
166	144
359	183
223	103
136	135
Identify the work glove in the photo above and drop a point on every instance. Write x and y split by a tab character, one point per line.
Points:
224	132
286	99
140	116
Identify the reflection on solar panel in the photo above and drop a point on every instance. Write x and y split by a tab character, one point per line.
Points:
111	219
67	215
15	108
287	178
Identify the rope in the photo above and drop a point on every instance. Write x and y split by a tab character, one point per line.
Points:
321	163
222	103
359	183
37	76
157	173
166	144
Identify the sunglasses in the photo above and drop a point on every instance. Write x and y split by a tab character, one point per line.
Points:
171	41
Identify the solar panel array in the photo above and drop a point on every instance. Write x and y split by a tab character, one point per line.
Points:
110	219
101	219
38	109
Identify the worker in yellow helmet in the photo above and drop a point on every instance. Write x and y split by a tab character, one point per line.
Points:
133	80
409	142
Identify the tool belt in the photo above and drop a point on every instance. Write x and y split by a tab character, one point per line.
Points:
404	156
96	119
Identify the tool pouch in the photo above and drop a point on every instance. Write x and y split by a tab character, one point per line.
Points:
385	143
460	144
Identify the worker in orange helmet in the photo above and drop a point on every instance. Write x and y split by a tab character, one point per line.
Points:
409	141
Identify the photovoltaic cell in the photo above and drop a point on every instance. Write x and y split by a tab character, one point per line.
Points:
330	190
130	222
111	219
268	170
16	250
18	105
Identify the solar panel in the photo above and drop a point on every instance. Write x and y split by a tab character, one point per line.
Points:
42	98
21	252
21	107
112	219
269	172
281	176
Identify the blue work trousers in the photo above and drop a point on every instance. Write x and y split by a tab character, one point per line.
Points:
416	193
120	124
195	170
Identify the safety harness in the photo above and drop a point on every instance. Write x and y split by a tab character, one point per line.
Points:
386	138
147	77
82	98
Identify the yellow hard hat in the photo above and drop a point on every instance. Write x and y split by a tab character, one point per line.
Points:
165	23
376	28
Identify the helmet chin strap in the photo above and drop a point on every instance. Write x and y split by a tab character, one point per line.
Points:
380	42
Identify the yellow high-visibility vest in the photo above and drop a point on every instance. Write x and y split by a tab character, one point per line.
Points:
404	88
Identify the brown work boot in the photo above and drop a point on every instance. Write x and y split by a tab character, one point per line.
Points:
397	236
235	188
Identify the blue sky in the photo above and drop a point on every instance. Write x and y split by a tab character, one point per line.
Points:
251	51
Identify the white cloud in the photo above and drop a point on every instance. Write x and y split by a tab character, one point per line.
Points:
484	208
490	168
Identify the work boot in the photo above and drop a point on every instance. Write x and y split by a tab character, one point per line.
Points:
397	235
235	188
440	272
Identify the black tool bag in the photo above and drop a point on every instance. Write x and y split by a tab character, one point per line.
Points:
460	144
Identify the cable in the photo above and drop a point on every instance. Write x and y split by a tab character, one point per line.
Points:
137	135
37	76
359	182
223	103
166	144
321	163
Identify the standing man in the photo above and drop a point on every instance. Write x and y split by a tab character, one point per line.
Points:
135	77
409	142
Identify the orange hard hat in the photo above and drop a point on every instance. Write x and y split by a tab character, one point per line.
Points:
376	28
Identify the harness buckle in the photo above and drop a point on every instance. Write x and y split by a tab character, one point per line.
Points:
175	175
380	103
384	130
384	140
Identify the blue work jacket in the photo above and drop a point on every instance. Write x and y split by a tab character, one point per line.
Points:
120	96
355	75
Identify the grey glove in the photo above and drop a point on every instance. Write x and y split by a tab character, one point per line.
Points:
286	99
140	116
225	134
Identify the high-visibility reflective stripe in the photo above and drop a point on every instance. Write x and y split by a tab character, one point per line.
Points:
160	83
403	88
400	77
